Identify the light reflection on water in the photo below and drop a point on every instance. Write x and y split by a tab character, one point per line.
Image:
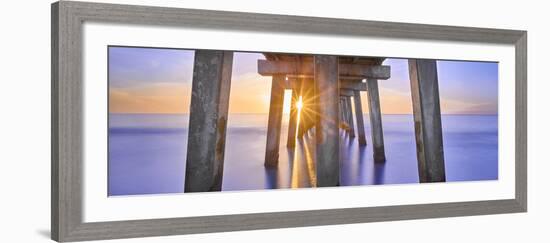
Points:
147	154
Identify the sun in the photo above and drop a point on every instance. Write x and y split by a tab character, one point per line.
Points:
299	104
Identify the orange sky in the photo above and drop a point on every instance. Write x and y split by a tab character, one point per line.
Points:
249	94
147	80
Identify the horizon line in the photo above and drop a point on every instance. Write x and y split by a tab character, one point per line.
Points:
266	113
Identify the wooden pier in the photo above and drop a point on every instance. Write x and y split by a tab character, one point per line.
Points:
352	76
328	88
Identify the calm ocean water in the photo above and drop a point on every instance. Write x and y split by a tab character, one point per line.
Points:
147	154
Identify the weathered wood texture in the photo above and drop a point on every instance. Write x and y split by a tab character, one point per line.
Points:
343	113
308	112
327	131
521	120
343	122
208	120
359	118
293	119
427	120
352	84
346	84
375	115
347	71
349	116
346	92
274	121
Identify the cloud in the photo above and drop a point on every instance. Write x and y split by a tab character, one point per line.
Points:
484	108
152	98
250	93
399	102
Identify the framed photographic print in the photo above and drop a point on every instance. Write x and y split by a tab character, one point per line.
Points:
176	121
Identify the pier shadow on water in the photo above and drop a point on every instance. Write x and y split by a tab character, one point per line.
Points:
299	170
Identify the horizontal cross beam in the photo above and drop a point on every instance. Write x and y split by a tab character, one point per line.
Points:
346	92
294	83
353	85
305	69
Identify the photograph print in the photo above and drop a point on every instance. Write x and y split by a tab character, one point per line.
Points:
184	120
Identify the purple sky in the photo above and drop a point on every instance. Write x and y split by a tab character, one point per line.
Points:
150	80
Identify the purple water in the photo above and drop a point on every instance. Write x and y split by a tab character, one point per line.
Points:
147	153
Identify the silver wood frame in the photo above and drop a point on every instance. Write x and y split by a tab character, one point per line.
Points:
67	119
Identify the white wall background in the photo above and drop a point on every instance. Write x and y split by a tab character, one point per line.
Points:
25	121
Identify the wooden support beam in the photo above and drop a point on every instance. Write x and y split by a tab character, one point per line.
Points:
375	115
293	83
311	117
292	119
348	84
359	118
344	114
274	121
349	118
427	120
208	120
326	129
346	92
307	113
342	117
305	68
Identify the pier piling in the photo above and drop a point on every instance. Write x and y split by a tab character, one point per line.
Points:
349	118
427	120
375	116
274	121
359	118
292	119
327	120
208	120
307	114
